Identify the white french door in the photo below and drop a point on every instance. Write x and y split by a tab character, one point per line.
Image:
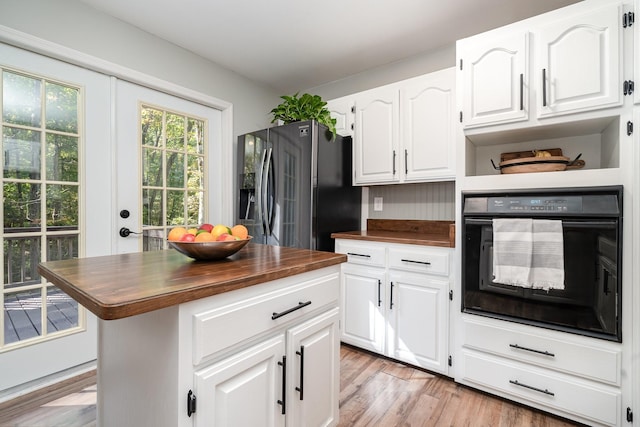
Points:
169	166
57	204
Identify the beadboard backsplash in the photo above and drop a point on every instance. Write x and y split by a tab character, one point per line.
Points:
429	201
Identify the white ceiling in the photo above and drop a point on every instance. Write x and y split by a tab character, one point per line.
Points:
293	45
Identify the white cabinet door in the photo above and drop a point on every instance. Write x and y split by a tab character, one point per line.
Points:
244	389
342	109
363	323
427	107
494	80
417	320
578	64
376	136
313	359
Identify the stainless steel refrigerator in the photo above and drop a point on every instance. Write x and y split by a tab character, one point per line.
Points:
295	186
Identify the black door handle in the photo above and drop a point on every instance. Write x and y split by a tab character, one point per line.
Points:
301	388
125	232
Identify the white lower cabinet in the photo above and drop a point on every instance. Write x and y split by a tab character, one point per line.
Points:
394	301
250	379
313	363
267	385
363	315
417	327
571	377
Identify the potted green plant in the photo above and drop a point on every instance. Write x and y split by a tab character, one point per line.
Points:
305	107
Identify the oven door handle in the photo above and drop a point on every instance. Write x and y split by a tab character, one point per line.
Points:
565	223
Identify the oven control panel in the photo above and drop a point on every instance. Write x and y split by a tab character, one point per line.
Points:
546	204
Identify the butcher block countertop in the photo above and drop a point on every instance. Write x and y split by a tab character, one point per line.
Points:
118	286
413	232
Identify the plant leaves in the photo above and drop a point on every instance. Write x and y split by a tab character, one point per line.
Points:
306	107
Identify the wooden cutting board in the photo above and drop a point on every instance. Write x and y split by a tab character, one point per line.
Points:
534	164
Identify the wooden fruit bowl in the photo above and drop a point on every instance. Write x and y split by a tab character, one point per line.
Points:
209	251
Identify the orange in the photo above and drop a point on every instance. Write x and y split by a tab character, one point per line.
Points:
240	231
176	233
205	237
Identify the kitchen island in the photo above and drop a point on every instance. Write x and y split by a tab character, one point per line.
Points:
184	342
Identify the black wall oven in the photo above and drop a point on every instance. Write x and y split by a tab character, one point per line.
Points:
591	218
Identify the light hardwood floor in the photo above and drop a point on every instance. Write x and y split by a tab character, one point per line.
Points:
374	391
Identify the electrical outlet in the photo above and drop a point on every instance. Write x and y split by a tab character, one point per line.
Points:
377	203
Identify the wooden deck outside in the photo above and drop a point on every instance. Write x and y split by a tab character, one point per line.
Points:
22	314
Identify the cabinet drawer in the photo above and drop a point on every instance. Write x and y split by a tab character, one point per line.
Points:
361	253
220	328
595	363
422	260
541	387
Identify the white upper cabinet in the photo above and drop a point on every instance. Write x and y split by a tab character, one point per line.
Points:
578	62
376	136
563	62
495	76
404	132
342	110
427	110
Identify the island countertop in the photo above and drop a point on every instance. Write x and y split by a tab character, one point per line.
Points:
118	286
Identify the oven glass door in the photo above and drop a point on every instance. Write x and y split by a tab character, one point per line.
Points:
588	305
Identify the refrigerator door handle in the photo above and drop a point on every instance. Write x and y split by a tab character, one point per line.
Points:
266	212
258	204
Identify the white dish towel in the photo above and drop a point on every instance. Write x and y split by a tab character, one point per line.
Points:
528	253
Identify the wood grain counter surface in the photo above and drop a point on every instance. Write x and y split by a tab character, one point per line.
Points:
413	232
118	286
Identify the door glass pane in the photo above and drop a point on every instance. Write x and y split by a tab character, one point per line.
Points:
175	207
62	207
21	257
21	99
151	127
195	136
175	169
62	157
40	186
152	167
61	108
152	207
21	206
195	207
173	173
62	247
62	310
175	132
23	310
21	148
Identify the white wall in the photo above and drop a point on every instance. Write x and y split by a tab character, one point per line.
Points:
435	60
73	24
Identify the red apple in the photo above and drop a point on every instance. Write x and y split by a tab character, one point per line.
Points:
187	237
206	227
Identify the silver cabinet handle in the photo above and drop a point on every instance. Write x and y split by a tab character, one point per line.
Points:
406	162
544	87
394	162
